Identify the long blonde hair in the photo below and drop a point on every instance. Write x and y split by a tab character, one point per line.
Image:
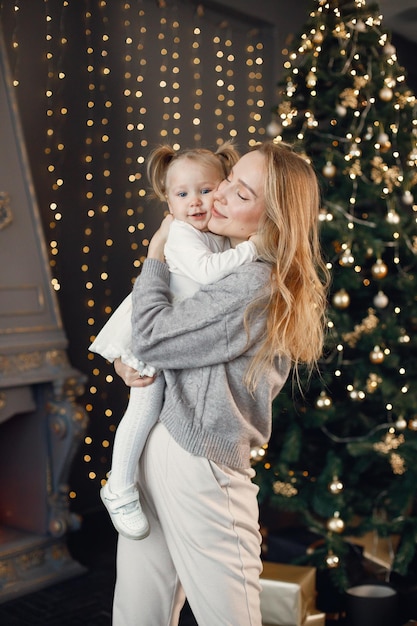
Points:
160	159
289	241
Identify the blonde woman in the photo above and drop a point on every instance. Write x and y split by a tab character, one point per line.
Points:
225	353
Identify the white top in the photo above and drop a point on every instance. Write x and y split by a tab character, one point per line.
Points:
198	258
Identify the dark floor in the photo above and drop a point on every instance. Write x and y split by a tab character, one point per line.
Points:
85	600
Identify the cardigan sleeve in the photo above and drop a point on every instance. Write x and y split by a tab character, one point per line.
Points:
200	331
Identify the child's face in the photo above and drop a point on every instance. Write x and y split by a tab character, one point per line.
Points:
190	186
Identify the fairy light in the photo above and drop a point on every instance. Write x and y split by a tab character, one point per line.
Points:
175	78
255	101
218	59
230	86
136	126
224	60
164	75
196	64
56	112
15	45
88	196
99	179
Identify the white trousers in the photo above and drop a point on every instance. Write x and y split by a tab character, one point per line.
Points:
204	543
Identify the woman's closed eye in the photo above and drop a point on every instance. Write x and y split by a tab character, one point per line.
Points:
238	191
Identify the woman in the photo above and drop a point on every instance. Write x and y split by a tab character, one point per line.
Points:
226	353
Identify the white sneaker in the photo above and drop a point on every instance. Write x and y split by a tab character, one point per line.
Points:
125	512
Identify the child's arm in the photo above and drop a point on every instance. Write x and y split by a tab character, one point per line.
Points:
204	257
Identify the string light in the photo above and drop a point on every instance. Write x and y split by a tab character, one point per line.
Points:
220	81
137	114
197	68
255	101
56	113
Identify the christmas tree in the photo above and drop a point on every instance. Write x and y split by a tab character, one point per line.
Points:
343	455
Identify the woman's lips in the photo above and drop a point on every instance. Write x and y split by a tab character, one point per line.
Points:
215	213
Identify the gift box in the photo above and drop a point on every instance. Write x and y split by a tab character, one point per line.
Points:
316	618
290	544
378	550
288	595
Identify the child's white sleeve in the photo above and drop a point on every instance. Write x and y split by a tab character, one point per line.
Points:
204	257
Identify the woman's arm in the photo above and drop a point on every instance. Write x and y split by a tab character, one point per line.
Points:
203	330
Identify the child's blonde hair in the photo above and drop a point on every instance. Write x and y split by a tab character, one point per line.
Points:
289	241
164	155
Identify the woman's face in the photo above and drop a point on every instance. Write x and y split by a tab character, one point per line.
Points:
239	200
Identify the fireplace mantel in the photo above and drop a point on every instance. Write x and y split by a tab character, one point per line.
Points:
41	424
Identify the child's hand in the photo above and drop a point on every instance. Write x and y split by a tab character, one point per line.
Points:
165	226
130	376
158	241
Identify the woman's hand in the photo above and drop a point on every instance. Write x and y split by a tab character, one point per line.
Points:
157	243
131	377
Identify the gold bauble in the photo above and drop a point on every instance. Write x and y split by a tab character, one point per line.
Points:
335	524
412	423
379	269
329	170
381	300
389	49
376	355
357	395
332	560
384	142
336	486
325	216
257	454
393	217
323	401
341	299
401	423
311	80
408	198
341	110
386	94
318	37
273	129
347	259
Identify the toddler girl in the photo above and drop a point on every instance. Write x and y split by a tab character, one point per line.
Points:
185	180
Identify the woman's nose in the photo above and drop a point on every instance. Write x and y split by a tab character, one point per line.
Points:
219	193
